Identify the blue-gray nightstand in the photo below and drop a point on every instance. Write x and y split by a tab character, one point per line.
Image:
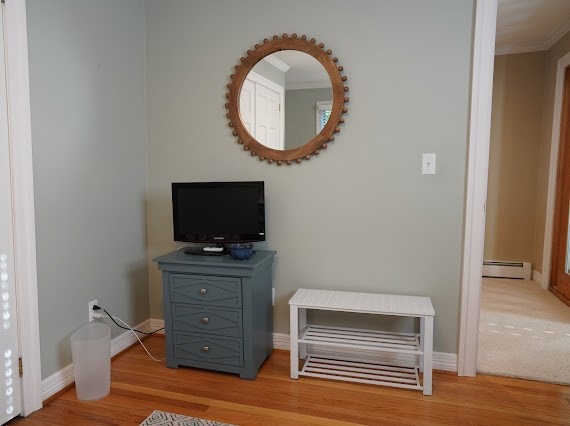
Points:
218	311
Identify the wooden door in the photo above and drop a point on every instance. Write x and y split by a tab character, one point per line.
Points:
560	272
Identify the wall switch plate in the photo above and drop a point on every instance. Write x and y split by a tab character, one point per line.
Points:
428	164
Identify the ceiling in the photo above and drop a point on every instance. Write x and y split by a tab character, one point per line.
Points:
304	71
530	25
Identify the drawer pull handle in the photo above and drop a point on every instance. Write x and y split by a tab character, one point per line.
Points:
205	320
203	291
206	349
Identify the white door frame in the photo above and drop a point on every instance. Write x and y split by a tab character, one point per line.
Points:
19	128
554	147
476	187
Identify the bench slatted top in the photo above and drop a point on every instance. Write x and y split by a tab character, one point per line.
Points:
372	303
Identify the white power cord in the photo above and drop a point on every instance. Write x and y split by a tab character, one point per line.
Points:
99	315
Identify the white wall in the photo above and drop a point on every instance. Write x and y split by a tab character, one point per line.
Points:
86	63
360	216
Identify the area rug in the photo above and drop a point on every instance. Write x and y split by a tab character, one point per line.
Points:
162	418
524	332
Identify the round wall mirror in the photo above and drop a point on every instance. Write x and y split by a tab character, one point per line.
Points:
286	99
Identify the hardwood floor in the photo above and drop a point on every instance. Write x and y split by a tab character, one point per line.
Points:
140	385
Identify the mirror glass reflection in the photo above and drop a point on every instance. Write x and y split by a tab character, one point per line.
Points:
286	99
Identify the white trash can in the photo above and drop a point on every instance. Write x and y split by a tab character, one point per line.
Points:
91	353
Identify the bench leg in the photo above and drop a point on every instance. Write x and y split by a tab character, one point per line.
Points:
294	341
426	343
302	327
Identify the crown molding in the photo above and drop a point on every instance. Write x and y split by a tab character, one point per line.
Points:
510	49
310	85
277	63
558	33
553	38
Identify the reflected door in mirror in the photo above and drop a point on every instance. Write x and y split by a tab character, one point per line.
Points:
268	117
247	106
261	110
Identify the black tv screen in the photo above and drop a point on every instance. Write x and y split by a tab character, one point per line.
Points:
218	212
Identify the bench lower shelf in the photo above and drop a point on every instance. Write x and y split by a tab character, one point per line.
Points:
358	370
350	370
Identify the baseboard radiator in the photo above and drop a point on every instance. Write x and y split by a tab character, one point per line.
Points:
500	269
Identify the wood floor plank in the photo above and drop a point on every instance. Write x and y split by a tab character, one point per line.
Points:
140	385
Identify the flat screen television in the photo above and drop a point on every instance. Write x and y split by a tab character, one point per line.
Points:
218	212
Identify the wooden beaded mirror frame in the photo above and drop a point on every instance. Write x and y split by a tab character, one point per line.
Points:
339	99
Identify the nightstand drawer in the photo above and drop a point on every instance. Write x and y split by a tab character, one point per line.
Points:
198	289
207	319
217	350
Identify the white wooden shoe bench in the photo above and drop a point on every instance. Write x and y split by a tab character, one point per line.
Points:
347	369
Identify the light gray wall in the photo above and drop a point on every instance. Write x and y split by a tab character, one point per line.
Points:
300	114
89	152
360	216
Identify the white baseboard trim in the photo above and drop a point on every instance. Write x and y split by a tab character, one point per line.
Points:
441	361
64	377
507	269
58	381
537	278
281	341
156	324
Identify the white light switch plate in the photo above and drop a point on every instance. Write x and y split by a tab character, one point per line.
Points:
428	164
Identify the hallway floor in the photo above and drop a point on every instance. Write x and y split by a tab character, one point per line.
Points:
524	332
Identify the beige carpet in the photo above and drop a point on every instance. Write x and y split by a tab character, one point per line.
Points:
524	332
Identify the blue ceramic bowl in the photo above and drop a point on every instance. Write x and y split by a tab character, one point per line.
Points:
241	251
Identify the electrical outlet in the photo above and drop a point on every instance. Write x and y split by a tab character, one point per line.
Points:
91	304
